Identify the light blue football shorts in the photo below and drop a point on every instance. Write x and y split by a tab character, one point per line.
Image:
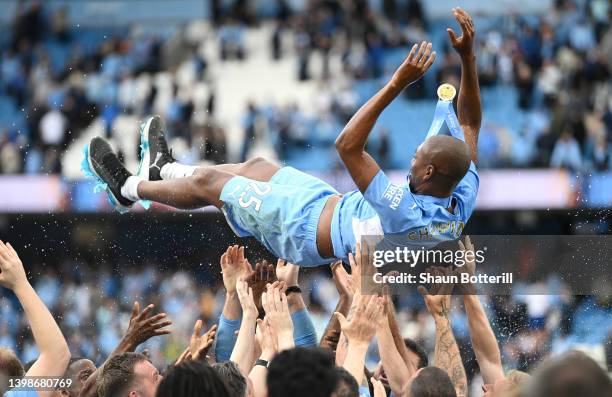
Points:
282	214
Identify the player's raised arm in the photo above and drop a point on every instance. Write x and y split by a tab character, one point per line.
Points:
351	142
54	354
468	104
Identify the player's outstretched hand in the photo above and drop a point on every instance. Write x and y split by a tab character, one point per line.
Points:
464	44
345	283
418	61
361	327
469	267
245	296
200	344
144	326
233	266
379	389
266	339
287	272
264	274
275	304
438	297
12	274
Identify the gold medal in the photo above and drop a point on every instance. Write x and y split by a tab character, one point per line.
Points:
446	92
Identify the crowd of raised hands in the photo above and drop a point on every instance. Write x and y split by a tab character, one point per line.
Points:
265	343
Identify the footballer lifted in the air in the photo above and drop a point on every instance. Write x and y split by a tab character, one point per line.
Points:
303	219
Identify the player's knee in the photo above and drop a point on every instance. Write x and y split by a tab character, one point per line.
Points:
203	176
255	161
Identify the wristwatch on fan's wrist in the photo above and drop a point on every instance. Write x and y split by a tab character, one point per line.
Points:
292	289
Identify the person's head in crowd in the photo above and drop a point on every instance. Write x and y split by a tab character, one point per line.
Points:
238	384
572	374
193	379
417	353
10	366
347	384
79	369
430	382
128	374
302	372
505	386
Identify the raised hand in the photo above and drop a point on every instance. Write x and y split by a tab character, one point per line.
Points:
469	267
438	297
144	326
379	389
184	356
257	280
355	264
287	272
267	340
360	329
330	340
200	344
245	296
464	44
12	274
344	282
275	304
233	266
418	61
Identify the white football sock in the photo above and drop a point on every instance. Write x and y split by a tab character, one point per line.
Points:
129	190
176	170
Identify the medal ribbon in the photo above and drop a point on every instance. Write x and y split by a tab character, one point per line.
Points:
445	113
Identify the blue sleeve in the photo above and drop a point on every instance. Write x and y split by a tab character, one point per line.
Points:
467	191
304	333
21	393
393	203
226	338
364	391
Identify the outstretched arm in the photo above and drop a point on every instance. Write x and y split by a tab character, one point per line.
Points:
351	142
54	353
233	266
304	333
142	326
468	104
243	349
397	370
446	355
484	342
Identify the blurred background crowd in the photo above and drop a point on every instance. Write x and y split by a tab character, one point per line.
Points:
281	78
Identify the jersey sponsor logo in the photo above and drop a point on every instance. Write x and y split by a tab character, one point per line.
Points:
394	194
451	229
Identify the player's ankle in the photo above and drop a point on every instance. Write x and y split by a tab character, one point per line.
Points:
129	190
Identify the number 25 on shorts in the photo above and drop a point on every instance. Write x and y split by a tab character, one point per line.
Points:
252	195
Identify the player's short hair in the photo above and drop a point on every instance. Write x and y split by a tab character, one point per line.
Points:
10	367
572	374
192	379
9	363
417	349
117	374
302	372
230	373
347	384
432	382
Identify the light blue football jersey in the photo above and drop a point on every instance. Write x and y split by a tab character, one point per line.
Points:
393	210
